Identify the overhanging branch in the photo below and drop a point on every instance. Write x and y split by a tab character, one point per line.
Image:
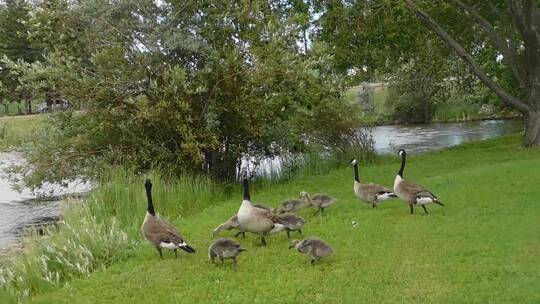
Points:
461	52
510	55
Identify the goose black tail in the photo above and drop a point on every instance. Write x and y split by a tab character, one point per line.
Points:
187	248
439	203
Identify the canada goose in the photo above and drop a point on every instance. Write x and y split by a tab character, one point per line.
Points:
369	193
314	247
224	249
159	232
292	222
233	223
319	201
254	219
291	205
412	193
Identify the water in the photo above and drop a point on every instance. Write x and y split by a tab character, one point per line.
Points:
421	138
18	209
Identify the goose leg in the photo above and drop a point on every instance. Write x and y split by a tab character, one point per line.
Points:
300	231
317	211
238	233
425	210
160	253
263	241
412	210
176	253
288	234
374	206
312	261
222	260
234	263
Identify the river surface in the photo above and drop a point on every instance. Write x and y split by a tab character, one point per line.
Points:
19	209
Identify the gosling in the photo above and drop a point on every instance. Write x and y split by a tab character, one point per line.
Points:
314	247
291	206
230	224
292	222
319	201
224	249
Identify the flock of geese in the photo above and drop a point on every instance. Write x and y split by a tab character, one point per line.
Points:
264	221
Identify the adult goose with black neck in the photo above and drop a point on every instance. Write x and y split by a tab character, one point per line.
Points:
411	193
254	219
368	192
159	232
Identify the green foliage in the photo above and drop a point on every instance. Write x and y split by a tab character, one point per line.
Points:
479	248
190	100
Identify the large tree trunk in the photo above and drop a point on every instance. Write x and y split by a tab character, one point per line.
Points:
532	131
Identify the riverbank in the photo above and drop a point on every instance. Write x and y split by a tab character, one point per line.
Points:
482	247
15	129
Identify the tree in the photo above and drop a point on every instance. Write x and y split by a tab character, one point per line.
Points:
181	86
15	45
518	42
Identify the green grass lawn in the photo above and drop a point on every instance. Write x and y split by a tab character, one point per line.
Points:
482	247
14	129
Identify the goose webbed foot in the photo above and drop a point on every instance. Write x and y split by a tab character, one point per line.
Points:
313	261
176	253
263	240
160	252
425	210
412	209
374	206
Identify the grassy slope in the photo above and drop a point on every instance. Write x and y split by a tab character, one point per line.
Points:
13	129
482	247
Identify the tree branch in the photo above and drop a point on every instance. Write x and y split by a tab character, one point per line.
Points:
461	52
510	55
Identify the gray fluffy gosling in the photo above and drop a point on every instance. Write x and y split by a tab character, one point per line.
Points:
292	222
159	232
319	201
314	247
411	193
291	206
224	249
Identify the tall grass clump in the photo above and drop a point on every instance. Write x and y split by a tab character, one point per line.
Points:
457	112
121	195
321	159
81	246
